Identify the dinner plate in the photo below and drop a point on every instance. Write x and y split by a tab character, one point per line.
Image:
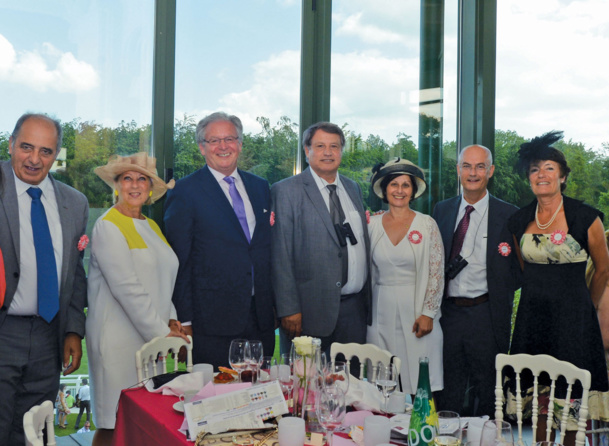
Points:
179	407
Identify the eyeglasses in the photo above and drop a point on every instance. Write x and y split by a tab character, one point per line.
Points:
216	141
478	167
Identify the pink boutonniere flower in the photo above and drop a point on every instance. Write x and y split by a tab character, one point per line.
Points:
367	216
83	242
558	237
272	219
415	237
505	249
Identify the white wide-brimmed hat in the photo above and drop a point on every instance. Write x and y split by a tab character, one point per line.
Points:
138	162
401	167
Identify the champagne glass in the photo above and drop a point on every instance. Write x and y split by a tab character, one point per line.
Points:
448	429
386	381
257	353
337	374
239	355
496	433
331	410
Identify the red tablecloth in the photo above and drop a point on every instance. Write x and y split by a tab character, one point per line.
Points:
146	418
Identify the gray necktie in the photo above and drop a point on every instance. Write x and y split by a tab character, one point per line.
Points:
338	217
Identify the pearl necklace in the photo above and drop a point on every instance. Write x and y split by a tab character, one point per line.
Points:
548	224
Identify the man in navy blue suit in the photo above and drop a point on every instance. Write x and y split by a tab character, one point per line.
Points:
482	273
218	222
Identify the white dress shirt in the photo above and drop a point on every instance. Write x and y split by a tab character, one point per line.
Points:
471	281
357	253
25	300
249	210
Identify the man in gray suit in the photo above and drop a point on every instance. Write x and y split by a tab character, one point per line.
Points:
42	322
320	247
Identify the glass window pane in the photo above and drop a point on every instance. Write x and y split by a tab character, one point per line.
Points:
552	75
243	58
89	64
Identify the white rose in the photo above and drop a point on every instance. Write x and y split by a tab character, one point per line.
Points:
303	345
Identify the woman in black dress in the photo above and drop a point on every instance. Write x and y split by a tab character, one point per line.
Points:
554	236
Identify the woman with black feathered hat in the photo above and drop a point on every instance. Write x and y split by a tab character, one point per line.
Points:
554	236
407	275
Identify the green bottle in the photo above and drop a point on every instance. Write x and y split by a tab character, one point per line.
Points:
424	419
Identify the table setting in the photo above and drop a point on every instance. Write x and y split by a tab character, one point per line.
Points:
297	399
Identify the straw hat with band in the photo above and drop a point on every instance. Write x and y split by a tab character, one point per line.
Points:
401	167
138	162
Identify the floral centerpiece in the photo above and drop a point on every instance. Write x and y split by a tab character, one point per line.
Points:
306	362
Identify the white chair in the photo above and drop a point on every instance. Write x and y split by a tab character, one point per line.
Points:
146	357
33	424
364	352
554	368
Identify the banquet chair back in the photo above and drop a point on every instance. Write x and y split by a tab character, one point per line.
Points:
160	347
364	352
34	421
555	368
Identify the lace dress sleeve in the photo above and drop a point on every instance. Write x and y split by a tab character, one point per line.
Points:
435	283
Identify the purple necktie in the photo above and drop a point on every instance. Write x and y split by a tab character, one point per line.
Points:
459	235
238	206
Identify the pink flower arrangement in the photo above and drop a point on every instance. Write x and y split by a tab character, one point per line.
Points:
415	237
504	249
368	216
558	237
83	242
272	219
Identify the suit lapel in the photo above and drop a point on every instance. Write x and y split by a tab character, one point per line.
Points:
312	191
452	221
67	229
495	226
10	206
256	200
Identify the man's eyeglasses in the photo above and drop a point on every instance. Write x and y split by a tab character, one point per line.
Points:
216	141
478	167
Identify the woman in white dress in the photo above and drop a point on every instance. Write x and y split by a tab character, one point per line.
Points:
407	275
131	277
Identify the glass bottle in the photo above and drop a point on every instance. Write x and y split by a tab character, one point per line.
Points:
424	419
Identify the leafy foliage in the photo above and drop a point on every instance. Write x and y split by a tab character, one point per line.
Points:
271	154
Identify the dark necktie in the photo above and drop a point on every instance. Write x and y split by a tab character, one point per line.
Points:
459	235
238	206
338	218
48	289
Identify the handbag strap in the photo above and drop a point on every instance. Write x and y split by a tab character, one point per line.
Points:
399	375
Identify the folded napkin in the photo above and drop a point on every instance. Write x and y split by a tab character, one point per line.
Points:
363	395
179	385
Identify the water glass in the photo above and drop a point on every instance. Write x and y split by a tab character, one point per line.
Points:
239	355
386	381
448	430
331	410
496	433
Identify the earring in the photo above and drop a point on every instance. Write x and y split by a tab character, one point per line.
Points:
150	194
115	193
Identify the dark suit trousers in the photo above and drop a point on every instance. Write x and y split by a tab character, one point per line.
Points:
469	360
29	371
213	350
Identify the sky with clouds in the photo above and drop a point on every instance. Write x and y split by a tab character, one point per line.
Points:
92	60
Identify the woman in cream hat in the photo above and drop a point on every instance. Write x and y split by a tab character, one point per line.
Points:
407	274
131	277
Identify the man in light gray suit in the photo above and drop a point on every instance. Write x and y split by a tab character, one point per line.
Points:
320	247
42	322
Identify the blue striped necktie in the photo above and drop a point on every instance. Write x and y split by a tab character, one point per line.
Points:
48	288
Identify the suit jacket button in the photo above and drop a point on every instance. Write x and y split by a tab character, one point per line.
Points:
338	284
340	254
16	275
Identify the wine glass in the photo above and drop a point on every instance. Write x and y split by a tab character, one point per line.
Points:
496	433
337	374
386	381
448	429
331	410
239	355
266	370
257	353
